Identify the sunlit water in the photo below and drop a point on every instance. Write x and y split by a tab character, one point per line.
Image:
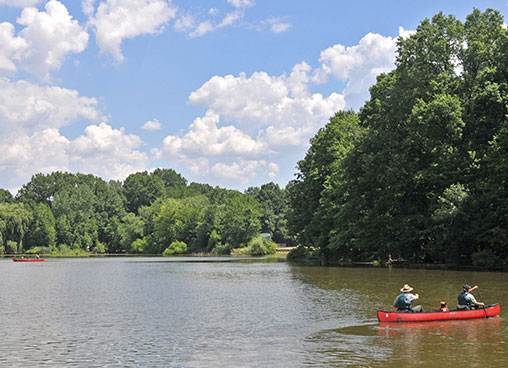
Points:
215	312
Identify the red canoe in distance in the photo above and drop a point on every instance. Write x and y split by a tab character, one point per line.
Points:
488	311
28	260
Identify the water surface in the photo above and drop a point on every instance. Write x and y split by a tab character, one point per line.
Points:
215	312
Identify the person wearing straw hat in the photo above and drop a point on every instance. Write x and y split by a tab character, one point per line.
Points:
404	302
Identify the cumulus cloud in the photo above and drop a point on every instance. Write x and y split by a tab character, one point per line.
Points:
152	125
51	35
359	65
26	107
272	115
11	47
254	121
243	170
278	104
104	151
117	20
44	42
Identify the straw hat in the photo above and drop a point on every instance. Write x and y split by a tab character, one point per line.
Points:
406	289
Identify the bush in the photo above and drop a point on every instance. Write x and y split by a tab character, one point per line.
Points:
240	252
222	249
301	254
176	247
260	246
11	247
486	259
99	248
42	250
138	246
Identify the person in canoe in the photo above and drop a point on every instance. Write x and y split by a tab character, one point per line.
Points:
404	302
444	307
466	300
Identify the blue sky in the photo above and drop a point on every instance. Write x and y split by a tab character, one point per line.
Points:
225	92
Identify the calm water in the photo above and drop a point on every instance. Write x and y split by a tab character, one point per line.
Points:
185	312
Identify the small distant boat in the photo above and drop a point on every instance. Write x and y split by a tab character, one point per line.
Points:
482	312
28	259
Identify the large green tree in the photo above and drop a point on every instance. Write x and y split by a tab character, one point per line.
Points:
415	185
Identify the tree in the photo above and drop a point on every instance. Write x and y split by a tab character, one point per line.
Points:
240	220
41	230
170	178
328	148
14	221
5	196
274	207
142	189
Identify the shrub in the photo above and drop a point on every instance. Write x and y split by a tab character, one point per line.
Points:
260	246
486	259
99	248
176	247
11	247
301	254
138	246
222	249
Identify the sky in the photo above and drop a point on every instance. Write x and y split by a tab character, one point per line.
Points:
225	92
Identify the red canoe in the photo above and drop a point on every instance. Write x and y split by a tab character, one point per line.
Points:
28	260
488	311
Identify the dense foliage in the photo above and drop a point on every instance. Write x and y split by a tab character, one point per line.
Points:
420	173
149	213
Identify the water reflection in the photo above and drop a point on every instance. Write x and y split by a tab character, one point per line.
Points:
446	341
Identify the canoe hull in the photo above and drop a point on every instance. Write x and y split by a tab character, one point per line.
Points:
28	260
489	311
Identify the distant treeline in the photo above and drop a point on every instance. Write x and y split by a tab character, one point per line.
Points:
420	174
149	213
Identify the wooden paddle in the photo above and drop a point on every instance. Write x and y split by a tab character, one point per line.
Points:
480	297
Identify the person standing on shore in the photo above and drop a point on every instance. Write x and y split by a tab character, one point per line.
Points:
404	302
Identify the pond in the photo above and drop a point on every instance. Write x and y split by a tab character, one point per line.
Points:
223	312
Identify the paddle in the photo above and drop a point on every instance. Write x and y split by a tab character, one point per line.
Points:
480	297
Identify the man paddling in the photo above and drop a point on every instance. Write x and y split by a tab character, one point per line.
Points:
404	302
466	300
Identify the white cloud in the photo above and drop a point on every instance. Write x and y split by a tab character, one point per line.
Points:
26	107
276	25
103	151
278	104
116	20
242	171
254	121
242	3
359	65
51	35
280	27
11	47
184	23
88	6
152	125
206	139
272	115
20	3
209	25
